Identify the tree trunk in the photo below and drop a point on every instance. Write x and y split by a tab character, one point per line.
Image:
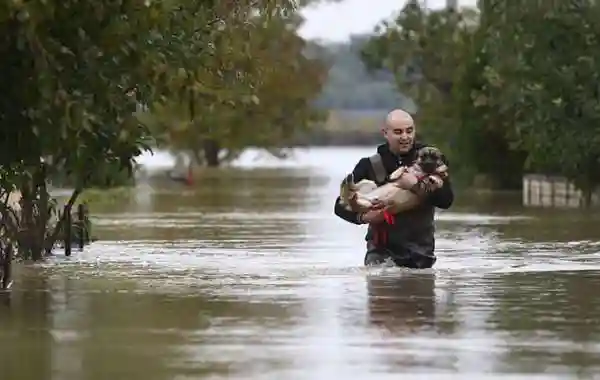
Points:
53	237
34	215
198	157
29	246
43	208
211	153
586	194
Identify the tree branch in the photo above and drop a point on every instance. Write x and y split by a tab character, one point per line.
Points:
49	243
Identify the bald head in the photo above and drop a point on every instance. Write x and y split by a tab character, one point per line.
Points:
399	131
399	118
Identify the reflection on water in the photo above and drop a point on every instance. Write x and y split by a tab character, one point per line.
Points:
402	303
250	276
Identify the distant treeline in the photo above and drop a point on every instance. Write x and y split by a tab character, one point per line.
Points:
349	86
355	100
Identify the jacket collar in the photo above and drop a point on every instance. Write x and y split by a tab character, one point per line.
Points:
387	155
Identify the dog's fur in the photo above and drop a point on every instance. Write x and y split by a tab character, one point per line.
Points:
428	167
430	159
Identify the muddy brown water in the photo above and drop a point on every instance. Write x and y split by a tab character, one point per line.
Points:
250	276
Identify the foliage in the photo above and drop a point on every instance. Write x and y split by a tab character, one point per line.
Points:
70	75
515	88
440	59
108	175
423	48
483	115
74	72
550	85
67	87
251	87
426	50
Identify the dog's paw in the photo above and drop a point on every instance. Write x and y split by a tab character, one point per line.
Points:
432	183
396	174
442	171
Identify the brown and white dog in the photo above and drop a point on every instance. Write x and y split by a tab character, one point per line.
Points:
428	169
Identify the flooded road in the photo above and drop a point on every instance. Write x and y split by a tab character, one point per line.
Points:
250	276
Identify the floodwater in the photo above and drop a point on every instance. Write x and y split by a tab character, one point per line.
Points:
250	276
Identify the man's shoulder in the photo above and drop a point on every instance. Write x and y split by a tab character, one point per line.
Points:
368	160
365	166
363	161
376	154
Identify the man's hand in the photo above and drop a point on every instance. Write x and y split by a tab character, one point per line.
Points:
373	216
442	171
435	181
409	181
406	181
353	203
432	183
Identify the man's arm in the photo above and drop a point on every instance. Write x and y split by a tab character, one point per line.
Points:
360	172
442	197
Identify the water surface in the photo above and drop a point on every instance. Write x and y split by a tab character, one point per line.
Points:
250	276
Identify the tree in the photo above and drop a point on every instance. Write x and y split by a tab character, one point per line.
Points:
442	59
425	49
550	85
514	89
75	71
236	98
69	70
484	128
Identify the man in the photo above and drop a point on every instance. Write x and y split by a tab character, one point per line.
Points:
409	240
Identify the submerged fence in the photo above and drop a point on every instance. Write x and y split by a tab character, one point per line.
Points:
553	191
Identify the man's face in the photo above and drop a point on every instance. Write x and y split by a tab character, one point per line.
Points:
400	136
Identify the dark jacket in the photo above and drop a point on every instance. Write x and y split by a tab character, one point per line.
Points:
413	228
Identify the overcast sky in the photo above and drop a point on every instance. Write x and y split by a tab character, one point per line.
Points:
336	22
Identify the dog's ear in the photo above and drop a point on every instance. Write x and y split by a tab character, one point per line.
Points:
349	179
428	150
434	151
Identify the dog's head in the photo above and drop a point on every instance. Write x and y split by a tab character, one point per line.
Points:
429	159
347	188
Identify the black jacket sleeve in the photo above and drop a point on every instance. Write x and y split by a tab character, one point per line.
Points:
444	196
360	172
